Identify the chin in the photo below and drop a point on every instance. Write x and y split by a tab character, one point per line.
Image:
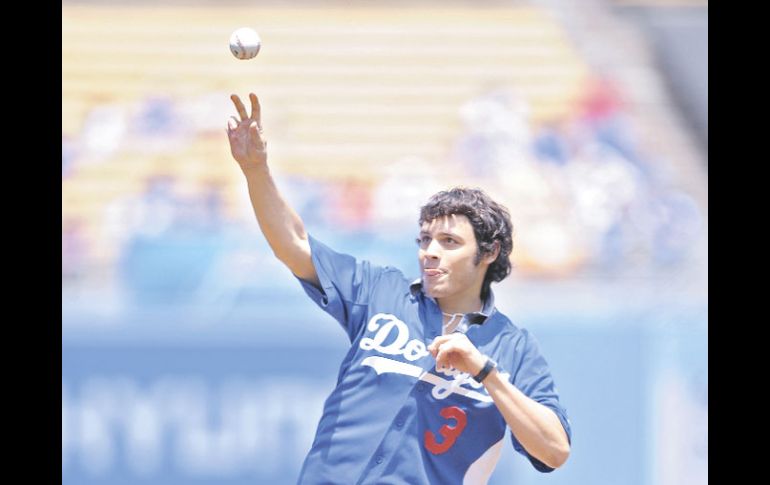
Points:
433	291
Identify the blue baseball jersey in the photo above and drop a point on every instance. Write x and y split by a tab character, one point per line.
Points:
393	418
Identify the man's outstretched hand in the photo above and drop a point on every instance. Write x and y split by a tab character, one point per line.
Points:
247	144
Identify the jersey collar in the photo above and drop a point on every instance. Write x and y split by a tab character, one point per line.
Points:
479	317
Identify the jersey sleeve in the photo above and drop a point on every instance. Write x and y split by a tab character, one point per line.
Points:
533	377
346	286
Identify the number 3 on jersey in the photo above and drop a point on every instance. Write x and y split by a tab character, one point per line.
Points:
449	433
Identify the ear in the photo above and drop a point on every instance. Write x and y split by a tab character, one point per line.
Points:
491	257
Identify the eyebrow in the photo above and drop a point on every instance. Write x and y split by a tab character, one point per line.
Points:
442	233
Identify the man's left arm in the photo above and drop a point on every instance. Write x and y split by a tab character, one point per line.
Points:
535	426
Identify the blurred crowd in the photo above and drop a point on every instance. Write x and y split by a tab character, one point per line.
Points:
584	194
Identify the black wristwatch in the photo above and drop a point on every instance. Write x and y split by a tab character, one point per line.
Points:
488	366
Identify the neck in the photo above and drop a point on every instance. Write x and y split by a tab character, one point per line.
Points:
465	305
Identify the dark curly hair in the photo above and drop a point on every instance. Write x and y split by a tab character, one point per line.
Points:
491	225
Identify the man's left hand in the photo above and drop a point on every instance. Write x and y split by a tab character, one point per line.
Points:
455	350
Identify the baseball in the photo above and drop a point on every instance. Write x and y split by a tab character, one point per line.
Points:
244	43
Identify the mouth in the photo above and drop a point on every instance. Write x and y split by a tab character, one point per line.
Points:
432	273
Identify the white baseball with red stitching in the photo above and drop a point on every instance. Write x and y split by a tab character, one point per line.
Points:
245	43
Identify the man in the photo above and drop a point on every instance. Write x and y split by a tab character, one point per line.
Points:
434	373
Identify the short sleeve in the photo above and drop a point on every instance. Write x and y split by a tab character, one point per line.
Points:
532	376
346	286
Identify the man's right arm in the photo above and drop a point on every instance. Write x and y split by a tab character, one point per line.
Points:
280	224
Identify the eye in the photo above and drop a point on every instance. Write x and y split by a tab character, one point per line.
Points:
450	240
423	240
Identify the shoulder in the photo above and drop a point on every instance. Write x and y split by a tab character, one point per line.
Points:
518	342
393	280
509	331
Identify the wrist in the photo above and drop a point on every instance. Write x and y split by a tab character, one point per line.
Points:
487	368
477	363
254	168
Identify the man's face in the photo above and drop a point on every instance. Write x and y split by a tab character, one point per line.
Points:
448	258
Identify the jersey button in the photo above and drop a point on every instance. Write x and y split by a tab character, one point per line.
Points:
399	424
379	460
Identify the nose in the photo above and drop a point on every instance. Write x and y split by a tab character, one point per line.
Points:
433	250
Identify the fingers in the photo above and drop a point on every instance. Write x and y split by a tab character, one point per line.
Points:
452	351
441	348
232	123
256	110
440	358
254	131
239	106
437	343
445	357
